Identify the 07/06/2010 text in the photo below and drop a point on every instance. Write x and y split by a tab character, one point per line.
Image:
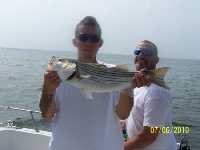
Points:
170	130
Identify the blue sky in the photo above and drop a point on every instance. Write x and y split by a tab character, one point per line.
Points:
173	25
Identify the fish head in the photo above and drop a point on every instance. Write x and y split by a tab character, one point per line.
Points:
65	68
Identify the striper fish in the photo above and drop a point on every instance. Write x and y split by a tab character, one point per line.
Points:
94	77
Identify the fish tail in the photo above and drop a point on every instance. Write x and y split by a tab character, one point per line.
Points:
159	76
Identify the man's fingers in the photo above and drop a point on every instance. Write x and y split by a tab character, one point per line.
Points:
144	81
149	81
56	79
50	73
139	80
142	71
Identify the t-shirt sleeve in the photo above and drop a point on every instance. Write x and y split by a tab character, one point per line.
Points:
156	110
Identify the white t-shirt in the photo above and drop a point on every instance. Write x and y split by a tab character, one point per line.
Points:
82	124
153	108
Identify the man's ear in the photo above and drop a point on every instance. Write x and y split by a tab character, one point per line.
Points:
74	42
157	59
101	42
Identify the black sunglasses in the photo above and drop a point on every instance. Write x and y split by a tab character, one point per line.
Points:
84	37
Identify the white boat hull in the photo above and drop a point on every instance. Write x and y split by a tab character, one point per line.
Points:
23	139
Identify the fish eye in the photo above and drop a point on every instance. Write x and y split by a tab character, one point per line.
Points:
60	59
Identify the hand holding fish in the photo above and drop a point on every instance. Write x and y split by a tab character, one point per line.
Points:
139	80
47	104
51	81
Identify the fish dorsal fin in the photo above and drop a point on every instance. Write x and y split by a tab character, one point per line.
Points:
87	93
120	68
98	65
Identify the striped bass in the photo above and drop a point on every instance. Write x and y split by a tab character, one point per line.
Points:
94	77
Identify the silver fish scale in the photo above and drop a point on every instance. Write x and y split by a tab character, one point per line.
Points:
103	74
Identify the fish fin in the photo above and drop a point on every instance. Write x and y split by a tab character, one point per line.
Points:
98	65
82	76
118	67
87	93
122	67
159	76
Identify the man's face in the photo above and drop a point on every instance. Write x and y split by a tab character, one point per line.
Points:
141	61
87	49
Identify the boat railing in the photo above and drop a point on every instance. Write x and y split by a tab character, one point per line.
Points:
20	109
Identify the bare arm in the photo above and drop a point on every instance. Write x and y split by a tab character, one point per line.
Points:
124	106
125	102
47	103
123	124
144	137
141	140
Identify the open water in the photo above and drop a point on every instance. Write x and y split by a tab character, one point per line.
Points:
21	78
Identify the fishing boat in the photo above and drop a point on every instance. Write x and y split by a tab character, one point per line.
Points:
23	139
18	138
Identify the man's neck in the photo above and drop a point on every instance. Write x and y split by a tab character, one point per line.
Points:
87	60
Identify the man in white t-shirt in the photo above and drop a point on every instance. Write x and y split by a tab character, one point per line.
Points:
80	124
149	125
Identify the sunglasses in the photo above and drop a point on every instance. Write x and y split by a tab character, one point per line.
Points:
84	37
144	52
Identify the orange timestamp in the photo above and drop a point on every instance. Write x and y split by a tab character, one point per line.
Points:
170	130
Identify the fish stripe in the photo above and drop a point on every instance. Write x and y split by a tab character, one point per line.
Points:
104	75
